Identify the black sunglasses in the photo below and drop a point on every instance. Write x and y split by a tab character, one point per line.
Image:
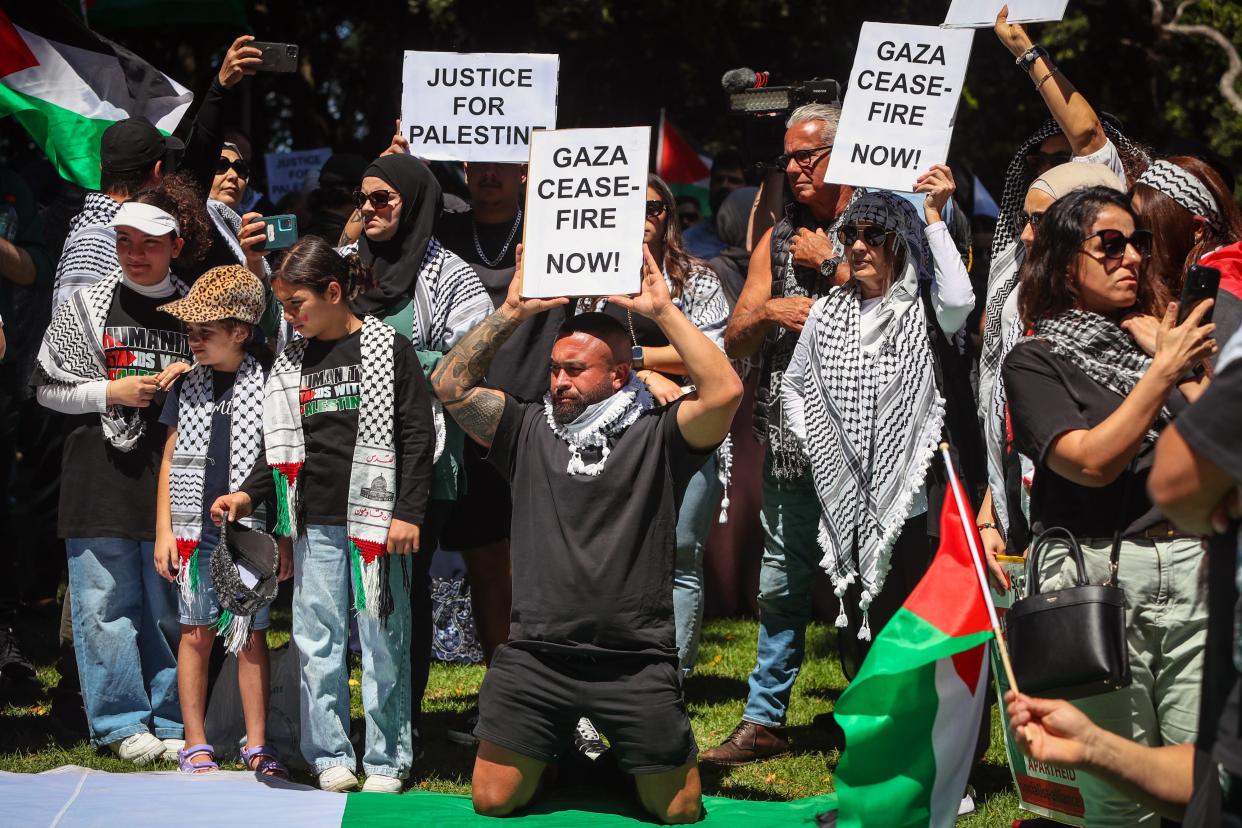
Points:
1041	162
378	198
803	157
240	166
872	234
1032	219
655	207
1113	243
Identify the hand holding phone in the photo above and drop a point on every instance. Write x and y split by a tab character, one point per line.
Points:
281	230
277	57
1202	282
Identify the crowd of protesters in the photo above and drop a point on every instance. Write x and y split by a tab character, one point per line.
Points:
380	391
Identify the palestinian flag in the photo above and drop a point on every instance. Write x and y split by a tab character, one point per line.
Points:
682	167
66	85
911	716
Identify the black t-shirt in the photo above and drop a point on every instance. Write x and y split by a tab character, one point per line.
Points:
107	493
1048	396
593	555
1210	427
216	473
331	393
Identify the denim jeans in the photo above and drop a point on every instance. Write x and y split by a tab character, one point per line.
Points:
699	510
125	636
203	608
791	555
322	605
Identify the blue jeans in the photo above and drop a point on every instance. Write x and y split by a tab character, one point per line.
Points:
125	636
203	608
699	509
791	555
322	605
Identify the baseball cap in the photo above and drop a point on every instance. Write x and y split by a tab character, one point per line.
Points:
225	292
134	144
145	217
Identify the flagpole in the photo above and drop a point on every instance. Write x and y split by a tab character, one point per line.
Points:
959	500
660	145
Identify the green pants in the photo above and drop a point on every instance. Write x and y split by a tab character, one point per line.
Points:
1166	627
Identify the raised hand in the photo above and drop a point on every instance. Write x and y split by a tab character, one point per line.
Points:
400	144
253	232
239	61
939	185
1013	35
1180	348
523	306
653	299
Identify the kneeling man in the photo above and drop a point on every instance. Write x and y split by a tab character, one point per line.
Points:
598	471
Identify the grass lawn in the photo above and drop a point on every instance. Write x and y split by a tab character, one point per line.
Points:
30	742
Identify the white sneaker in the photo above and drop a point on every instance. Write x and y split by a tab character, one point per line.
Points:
338	780
967	805
141	748
377	783
171	748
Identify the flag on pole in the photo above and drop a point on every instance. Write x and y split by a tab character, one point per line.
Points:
66	85
683	168
911	717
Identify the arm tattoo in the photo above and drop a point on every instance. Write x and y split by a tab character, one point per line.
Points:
478	413
466	364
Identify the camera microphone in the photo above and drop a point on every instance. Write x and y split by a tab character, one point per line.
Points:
737	80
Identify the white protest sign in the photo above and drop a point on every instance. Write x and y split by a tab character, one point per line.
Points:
981	14
897	118
287	171
476	107
586	198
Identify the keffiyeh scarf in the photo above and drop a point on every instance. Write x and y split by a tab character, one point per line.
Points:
604	419
195	407
228	224
373	473
1186	189
72	352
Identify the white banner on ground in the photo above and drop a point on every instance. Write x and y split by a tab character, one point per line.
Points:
981	14
287	171
899	108
586	194
476	107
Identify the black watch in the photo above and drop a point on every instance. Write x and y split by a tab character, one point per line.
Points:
1027	59
828	267
636	357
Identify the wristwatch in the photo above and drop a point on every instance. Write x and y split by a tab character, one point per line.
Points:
1027	59
636	357
828	267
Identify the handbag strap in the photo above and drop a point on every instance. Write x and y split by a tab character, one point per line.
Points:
1114	556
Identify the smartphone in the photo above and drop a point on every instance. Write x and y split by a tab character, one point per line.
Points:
1201	283
277	57
282	232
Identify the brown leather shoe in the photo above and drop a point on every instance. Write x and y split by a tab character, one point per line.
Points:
749	742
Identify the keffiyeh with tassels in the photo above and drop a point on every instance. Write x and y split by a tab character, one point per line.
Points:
195	406
606	418
373	473
873	413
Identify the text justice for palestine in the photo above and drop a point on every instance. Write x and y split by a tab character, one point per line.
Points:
476	77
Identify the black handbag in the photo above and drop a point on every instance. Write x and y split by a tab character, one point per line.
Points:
1069	643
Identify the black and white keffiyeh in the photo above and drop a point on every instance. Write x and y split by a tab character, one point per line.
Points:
373	473
1186	189
874	415
72	352
228	224
602	420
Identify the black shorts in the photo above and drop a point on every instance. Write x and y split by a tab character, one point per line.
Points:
483	512
531	701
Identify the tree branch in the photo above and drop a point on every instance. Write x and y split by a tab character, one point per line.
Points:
1229	80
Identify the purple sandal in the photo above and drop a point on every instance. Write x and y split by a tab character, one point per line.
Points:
269	764
186	766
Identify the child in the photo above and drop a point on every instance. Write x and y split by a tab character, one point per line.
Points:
348	441
215	425
108	355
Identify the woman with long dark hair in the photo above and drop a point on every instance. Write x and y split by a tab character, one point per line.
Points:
1086	405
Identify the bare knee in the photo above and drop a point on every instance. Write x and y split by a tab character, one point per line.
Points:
503	780
490	801
679	812
198	637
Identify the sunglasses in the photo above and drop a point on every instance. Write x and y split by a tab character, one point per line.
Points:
803	157
1113	243
873	235
378	198
1032	219
655	208
1041	162
240	166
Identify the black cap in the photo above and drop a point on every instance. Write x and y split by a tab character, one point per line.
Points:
134	144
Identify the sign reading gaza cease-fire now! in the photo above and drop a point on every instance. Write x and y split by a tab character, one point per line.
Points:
476	107
898	114
586	196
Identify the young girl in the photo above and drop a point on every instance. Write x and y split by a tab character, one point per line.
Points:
215	420
348	440
106	356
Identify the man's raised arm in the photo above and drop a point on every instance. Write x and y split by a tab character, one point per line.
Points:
456	378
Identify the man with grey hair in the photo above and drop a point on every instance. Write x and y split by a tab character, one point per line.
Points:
794	264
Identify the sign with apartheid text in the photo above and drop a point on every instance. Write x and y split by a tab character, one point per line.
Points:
287	171
476	107
586	195
981	14
897	119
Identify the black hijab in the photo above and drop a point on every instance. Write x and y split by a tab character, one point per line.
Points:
395	263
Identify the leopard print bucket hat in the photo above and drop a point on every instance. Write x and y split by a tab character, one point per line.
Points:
226	292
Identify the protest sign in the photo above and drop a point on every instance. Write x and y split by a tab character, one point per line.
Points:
586	194
476	107
1043	789
981	14
287	171
898	114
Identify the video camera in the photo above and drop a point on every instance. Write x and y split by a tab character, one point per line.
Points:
750	94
